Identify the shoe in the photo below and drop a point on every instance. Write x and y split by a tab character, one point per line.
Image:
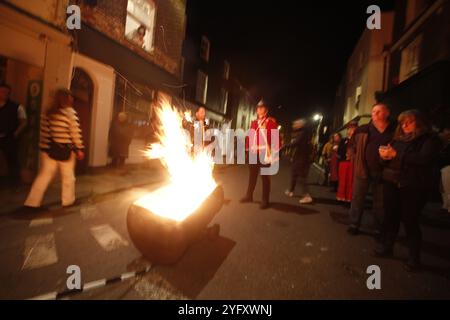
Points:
381	251
246	199
289	193
354	231
412	266
306	200
76	203
28	209
264	205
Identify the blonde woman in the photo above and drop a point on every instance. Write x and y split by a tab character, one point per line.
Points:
61	144
407	177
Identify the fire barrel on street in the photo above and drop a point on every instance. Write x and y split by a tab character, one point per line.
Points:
163	240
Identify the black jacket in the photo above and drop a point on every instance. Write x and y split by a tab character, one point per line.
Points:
302	149
413	166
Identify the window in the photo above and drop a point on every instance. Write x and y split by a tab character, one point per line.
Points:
410	59
226	70
202	87
223	100
204	49
140	23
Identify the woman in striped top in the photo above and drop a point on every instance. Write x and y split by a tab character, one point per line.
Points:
59	125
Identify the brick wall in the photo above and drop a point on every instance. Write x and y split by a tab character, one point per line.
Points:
109	17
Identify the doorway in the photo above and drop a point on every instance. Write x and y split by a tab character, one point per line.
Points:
83	89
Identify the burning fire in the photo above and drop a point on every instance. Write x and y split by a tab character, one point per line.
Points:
191	179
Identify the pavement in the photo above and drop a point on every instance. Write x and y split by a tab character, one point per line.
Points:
289	251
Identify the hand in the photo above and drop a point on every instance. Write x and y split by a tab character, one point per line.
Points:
80	155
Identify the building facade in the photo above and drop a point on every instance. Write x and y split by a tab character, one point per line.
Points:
365	73
106	65
419	60
35	59
411	69
209	81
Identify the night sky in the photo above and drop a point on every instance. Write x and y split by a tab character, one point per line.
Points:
291	52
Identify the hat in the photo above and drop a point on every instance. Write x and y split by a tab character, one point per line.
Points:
262	103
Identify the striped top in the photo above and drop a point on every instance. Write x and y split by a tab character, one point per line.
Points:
62	127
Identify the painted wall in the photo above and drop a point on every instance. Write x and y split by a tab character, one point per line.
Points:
103	77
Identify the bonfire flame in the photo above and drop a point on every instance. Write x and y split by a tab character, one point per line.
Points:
191	179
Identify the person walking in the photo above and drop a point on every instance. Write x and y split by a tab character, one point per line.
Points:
345	183
302	158
407	175
120	136
363	149
259	146
13	120
61	144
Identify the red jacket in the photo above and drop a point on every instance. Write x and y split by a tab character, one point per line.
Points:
254	139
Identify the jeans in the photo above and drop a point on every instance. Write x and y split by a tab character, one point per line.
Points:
46	174
360	190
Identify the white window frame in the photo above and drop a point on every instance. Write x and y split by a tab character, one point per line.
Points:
226	70
150	25
223	100
201	91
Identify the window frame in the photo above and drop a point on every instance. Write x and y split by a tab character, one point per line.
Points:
152	31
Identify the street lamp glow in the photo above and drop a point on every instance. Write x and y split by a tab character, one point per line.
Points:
317	117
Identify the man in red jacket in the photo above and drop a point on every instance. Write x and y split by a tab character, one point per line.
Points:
261	153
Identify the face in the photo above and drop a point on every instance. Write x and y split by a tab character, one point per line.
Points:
4	94
408	125
380	113
261	111
351	131
141	32
201	114
336	138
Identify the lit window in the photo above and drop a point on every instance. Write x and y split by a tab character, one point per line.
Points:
204	49
202	87
410	59
226	70
358	97
140	23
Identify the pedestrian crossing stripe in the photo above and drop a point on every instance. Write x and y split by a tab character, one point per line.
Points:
93	285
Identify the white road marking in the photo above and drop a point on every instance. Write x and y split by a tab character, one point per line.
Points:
127	275
94	284
40	251
40	222
88	212
108	238
48	296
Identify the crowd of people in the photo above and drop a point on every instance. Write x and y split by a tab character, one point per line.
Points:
395	162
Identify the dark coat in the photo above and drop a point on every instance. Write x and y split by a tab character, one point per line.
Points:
302	150
120	136
413	166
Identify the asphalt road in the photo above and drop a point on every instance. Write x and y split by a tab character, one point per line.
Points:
289	251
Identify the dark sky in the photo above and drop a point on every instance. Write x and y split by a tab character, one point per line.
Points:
291	52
